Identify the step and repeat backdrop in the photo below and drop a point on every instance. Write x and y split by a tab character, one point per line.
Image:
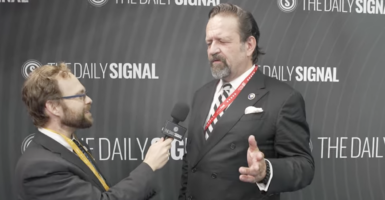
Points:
138	58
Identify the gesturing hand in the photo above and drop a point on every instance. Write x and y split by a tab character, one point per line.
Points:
257	166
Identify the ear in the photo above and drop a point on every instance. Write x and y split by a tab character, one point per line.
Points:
53	108
251	43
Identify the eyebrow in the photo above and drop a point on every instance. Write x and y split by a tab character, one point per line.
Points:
226	38
81	91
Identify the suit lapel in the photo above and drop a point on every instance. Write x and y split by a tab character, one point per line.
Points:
234	112
204	109
71	157
94	162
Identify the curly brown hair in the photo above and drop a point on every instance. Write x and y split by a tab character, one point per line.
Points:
41	86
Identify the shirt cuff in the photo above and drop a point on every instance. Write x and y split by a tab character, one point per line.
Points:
265	187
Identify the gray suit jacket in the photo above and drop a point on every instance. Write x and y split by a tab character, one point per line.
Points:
48	171
211	168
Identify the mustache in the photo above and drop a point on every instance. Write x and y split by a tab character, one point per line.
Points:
217	57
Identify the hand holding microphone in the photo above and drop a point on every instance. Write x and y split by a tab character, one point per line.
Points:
158	153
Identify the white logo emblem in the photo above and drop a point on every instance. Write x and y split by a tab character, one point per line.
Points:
287	5
29	66
176	129
98	3
26	142
251	96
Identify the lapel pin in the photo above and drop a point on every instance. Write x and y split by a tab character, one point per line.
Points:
251	96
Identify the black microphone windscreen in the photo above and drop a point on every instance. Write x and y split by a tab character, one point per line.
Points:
180	111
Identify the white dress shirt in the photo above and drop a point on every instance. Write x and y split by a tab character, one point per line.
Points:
56	137
234	85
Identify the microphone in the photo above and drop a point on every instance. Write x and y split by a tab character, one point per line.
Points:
171	128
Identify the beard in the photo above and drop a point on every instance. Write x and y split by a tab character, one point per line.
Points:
219	70
78	120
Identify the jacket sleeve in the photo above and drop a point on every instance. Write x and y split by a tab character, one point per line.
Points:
294	166
64	185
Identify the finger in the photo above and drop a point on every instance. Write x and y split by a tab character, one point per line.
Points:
167	141
260	156
160	140
168	146
253	143
247	178
249	170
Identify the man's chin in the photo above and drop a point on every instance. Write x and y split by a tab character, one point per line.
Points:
86	125
219	74
90	121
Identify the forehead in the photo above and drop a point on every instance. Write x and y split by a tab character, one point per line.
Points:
69	85
222	25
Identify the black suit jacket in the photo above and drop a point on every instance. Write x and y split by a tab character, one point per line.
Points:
48	171
211	168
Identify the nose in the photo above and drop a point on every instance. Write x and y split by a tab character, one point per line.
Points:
213	48
88	100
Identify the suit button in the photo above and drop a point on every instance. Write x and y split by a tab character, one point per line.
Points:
232	146
214	175
190	197
194	170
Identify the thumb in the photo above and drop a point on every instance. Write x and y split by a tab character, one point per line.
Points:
252	143
160	140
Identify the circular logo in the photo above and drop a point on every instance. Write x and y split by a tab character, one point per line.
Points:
176	129
98	3
29	66
251	96
26	142
287	5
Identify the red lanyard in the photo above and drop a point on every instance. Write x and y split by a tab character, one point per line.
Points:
231	98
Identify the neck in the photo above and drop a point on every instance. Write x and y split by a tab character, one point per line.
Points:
236	74
62	129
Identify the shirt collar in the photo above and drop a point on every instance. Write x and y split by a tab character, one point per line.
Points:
236	82
56	137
